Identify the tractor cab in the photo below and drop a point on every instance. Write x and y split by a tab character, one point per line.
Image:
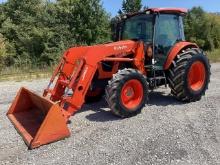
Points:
160	29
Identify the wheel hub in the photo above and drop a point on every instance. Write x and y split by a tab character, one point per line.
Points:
197	76
132	94
129	92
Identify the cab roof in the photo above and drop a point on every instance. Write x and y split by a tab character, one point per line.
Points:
168	10
160	10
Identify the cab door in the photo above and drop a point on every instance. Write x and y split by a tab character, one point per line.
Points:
168	31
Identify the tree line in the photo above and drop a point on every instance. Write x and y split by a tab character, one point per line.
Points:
36	32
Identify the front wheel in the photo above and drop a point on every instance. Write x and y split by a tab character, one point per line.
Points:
127	93
189	77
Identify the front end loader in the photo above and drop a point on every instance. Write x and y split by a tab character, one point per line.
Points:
149	51
42	120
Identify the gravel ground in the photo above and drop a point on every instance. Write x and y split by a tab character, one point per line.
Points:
166	132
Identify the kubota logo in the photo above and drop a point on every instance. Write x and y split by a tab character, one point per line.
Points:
120	47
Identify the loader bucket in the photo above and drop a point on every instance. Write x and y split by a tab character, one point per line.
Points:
38	120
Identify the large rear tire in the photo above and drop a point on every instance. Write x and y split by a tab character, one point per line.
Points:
127	93
189	75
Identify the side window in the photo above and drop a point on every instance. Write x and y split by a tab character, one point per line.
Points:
168	30
167	34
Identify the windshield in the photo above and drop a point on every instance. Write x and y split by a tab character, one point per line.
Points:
139	27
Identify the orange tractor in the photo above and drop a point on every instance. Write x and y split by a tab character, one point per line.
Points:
150	51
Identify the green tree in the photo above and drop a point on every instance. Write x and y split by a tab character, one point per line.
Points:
131	6
86	20
213	25
7	52
22	28
202	28
40	30
194	26
2	46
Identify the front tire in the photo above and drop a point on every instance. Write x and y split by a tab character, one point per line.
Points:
127	93
189	76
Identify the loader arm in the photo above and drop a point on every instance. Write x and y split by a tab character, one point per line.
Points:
78	67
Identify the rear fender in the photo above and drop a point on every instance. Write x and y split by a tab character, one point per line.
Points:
175	51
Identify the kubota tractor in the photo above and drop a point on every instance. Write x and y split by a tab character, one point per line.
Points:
150	51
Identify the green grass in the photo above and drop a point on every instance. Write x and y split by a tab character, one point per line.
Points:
214	55
27	73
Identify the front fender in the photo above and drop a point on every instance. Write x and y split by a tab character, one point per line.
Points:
175	50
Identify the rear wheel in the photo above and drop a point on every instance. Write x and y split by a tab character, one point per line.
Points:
190	75
127	93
